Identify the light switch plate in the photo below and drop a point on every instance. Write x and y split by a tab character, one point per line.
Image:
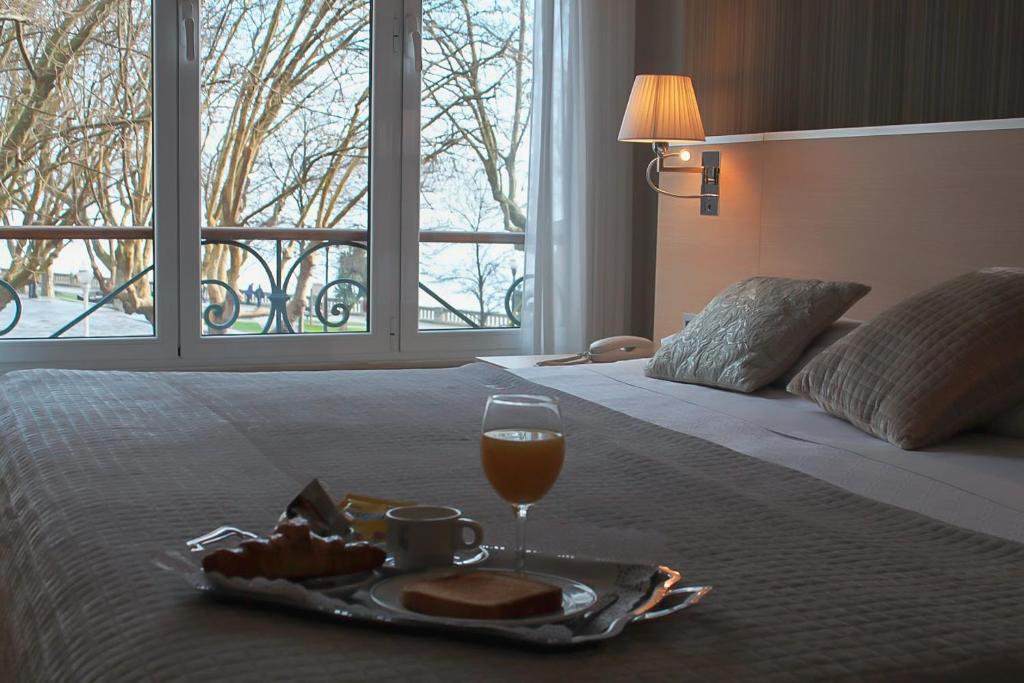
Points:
710	183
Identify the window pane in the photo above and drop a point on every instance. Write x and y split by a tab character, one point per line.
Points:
481	289
475	147
328	279
285	143
76	129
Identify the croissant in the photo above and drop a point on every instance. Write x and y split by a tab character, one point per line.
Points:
294	553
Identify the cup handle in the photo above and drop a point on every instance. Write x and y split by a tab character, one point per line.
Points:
478	534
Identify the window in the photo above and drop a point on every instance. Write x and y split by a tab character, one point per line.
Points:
285	131
261	180
474	139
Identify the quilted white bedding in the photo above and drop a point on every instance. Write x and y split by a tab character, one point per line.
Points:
975	480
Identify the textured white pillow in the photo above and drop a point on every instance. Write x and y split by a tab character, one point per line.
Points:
752	332
940	362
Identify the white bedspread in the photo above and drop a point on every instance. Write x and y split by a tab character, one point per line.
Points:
975	481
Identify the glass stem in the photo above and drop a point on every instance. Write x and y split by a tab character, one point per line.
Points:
521	511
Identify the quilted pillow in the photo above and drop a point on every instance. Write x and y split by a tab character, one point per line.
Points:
938	363
752	332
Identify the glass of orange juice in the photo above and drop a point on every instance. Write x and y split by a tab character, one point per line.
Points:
522	449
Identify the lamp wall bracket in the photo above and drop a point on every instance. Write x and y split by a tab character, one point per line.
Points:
710	178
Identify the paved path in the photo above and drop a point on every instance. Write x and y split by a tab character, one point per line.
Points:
43	316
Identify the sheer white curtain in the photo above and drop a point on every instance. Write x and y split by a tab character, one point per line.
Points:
578	234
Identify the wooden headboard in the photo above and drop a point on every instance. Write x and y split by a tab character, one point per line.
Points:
894	207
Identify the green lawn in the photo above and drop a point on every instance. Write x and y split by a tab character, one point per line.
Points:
254	327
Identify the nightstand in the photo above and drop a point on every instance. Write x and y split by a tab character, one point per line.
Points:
520	362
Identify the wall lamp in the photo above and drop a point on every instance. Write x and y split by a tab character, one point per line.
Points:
662	110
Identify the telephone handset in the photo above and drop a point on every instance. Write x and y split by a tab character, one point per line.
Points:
620	348
609	350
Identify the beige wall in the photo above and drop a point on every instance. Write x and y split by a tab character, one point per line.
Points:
897	212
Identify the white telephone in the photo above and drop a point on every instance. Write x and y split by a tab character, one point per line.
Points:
608	351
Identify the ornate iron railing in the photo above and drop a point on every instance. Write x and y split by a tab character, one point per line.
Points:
333	312
16	300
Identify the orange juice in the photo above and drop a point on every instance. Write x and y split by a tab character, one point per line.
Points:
522	464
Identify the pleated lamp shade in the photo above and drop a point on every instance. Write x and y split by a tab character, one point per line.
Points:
662	109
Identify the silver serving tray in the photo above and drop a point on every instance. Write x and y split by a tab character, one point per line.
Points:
664	597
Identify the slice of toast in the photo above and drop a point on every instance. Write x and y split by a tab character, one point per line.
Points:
482	595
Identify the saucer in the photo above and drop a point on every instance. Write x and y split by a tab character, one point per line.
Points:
341	586
461	558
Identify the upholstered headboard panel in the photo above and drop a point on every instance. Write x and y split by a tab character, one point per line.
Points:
897	211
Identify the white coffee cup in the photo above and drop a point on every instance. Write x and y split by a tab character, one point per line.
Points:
421	536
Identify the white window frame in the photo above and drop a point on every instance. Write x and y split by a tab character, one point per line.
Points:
161	348
413	340
384	221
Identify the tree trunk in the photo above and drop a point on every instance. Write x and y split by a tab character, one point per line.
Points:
297	304
48	289
25	267
130	258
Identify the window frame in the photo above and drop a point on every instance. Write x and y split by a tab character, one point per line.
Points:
414	340
276	349
162	346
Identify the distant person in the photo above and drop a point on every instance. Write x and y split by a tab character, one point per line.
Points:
259	296
249	293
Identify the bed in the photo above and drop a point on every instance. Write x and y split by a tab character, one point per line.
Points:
832	556
975	480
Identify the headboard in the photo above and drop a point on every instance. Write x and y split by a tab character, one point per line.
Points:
900	208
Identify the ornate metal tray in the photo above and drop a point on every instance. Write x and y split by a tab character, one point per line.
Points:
626	594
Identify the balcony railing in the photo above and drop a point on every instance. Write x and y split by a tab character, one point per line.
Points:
333	311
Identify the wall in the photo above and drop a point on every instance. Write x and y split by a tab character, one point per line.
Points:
784	65
898	212
657	51
777	65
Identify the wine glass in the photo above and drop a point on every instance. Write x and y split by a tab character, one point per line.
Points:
522	449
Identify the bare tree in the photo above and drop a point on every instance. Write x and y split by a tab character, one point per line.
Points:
39	47
285	112
476	115
474	104
270	67
481	275
76	127
120	177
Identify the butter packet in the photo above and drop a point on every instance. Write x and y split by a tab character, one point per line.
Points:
366	515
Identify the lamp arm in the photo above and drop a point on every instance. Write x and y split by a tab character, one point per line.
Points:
650	181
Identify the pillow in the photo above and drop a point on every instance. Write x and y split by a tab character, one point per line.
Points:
942	361
752	332
1008	424
834	333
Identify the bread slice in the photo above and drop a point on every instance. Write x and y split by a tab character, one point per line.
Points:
481	595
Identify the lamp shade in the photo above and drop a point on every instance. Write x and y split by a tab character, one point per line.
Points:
662	109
